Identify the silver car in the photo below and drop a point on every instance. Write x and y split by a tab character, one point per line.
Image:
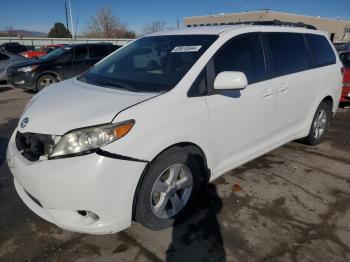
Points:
8	59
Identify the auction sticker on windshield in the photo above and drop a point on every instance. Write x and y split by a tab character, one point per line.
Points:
186	48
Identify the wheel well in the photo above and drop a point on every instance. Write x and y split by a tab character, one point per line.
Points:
329	101
192	149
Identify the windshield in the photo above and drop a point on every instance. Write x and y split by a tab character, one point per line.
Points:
345	58
150	64
55	53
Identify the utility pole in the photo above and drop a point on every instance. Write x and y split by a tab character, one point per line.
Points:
76	24
65	8
71	19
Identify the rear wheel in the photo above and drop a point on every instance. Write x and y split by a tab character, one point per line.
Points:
169	189
320	124
44	81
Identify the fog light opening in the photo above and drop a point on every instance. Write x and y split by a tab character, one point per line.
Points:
90	214
82	212
93	215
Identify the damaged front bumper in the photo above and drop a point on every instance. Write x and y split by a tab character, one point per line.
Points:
90	194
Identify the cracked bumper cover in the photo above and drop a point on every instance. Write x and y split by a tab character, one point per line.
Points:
94	182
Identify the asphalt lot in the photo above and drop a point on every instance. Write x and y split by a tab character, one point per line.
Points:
292	204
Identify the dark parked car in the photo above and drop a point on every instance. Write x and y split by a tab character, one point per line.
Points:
343	46
60	64
9	59
13	47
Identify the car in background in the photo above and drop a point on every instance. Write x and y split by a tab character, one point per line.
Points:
60	64
44	50
13	47
345	97
9	59
342	46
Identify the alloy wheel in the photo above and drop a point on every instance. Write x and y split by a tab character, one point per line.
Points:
46	82
171	191
320	124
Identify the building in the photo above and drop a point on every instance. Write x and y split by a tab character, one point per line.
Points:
339	30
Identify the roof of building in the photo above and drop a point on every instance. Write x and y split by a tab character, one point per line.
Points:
267	11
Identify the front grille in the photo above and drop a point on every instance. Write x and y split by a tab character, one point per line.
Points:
32	146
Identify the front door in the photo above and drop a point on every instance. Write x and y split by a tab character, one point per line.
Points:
62	66
241	122
81	60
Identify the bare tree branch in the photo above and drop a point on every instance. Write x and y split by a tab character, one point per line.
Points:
155	26
105	24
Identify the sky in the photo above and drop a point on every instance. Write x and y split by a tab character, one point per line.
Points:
40	15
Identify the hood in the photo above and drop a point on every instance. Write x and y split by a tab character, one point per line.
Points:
72	104
29	62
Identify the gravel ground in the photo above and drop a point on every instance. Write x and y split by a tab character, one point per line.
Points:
292	204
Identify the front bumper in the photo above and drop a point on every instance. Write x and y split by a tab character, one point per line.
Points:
57	189
25	80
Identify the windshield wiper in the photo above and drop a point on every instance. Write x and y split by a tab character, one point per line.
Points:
117	86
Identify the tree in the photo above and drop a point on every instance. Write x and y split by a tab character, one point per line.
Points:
59	31
155	26
105	24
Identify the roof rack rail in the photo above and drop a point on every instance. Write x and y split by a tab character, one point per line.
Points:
279	23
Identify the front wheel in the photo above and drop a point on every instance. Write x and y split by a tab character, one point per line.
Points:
44	81
169	189
320	124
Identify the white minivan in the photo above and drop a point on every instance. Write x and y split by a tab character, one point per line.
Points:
138	135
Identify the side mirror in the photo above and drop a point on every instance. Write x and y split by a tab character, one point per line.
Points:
230	80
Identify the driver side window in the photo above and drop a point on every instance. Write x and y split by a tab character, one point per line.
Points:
66	57
243	53
81	53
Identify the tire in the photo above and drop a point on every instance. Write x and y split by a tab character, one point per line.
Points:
44	81
150	200
320	124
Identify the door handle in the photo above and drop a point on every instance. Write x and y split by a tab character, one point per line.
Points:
267	92
283	87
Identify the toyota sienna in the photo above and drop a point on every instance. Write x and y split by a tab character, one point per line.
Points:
139	134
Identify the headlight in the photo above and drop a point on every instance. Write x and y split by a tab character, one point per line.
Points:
87	140
27	68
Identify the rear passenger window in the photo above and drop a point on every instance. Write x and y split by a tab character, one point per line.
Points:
98	51
288	53
244	54
321	51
